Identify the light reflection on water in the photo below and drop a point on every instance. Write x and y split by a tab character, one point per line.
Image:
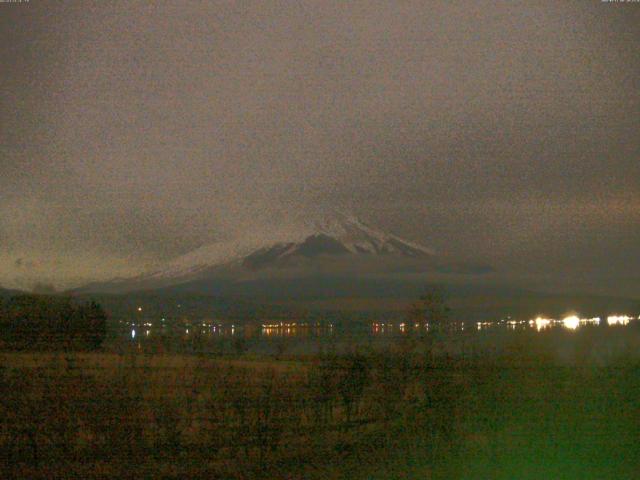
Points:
539	324
319	329
618	320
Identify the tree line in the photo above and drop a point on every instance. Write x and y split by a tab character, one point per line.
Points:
39	322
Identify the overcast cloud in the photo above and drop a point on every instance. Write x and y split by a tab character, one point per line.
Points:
494	131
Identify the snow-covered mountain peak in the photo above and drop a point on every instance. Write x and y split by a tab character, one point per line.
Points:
358	237
336	234
333	233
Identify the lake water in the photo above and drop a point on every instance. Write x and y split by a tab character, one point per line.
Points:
296	338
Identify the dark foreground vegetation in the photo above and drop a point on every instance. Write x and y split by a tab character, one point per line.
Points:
39	322
408	412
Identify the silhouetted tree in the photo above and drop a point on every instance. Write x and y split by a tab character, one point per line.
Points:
322	385
46	322
354	376
431	309
93	322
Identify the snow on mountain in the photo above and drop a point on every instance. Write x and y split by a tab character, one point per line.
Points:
333	234
203	258
359	237
336	234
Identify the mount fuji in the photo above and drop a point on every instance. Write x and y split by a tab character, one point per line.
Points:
338	235
335	244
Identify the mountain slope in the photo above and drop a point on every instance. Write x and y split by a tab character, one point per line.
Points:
335	241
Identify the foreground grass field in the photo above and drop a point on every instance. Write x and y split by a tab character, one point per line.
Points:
393	414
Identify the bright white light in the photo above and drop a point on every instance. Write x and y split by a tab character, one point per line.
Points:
571	322
542	323
139	309
133	333
592	321
618	319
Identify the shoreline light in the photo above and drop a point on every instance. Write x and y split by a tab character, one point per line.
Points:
541	322
571	322
618	319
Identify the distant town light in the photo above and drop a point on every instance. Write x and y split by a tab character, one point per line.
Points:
541	323
571	322
618	319
592	321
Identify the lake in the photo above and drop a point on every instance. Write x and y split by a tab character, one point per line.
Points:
613	333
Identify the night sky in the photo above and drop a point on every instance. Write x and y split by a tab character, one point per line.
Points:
498	132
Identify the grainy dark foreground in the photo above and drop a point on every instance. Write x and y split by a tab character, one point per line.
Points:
385	415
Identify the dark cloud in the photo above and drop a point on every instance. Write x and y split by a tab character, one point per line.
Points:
496	132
